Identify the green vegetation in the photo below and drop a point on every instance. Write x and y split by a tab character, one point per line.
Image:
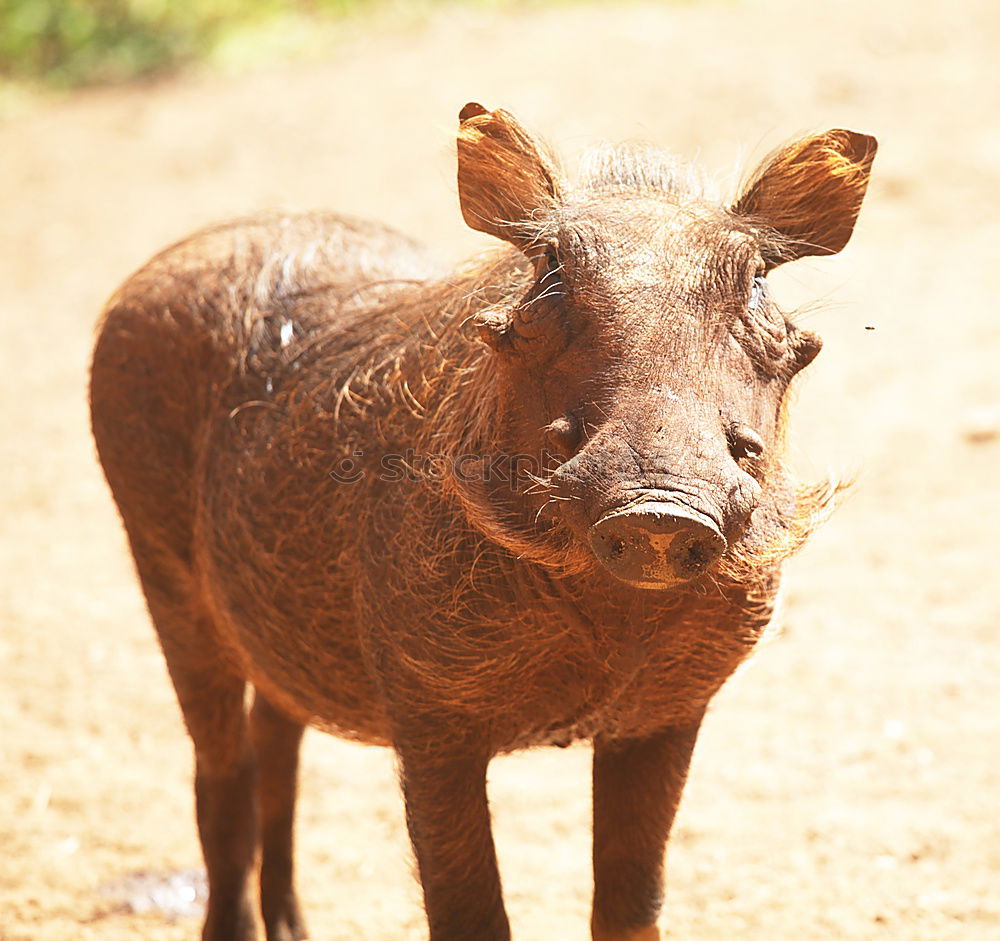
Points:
63	43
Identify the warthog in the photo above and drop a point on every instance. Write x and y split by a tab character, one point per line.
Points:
534	500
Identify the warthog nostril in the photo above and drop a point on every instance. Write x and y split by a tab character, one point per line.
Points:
698	556
656	544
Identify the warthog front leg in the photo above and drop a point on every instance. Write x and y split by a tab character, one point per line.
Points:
449	823
637	787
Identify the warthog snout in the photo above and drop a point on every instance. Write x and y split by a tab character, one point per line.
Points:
656	544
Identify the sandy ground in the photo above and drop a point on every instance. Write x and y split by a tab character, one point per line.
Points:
846	784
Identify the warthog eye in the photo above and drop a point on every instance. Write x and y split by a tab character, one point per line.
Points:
758	292
744	442
539	315
548	268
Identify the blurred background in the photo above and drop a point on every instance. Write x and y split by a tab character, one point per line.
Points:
846	782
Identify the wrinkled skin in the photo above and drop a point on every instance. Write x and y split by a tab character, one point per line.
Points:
264	396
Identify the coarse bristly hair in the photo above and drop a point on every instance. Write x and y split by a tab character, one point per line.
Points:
457	391
641	166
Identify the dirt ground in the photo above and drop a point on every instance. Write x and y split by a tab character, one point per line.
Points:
847	783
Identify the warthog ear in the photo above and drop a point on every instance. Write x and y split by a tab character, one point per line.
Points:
809	192
506	181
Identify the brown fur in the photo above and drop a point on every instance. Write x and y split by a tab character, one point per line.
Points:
246	376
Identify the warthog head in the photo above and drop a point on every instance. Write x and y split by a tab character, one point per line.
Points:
648	352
